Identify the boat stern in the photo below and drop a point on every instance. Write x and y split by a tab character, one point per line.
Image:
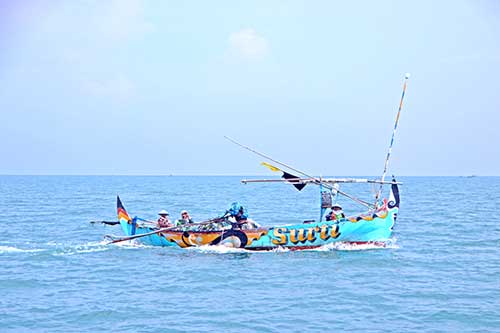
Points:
124	218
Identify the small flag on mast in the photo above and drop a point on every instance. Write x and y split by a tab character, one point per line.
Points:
270	167
286	175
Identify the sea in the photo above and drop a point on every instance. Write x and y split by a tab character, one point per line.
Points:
439	273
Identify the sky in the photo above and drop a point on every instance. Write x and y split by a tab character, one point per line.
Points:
131	87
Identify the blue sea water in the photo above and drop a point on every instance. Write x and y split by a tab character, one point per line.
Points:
440	274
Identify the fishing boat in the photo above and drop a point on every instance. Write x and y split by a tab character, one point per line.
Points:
371	227
374	225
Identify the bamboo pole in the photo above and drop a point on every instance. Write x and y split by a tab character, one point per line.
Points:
386	164
324	180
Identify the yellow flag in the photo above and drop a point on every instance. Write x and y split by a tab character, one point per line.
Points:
271	167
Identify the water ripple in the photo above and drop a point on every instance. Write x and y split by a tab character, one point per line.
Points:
439	273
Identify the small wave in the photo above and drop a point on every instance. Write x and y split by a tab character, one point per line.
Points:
280	249
349	246
64	249
61	249
227	249
218	249
131	244
81	248
337	246
12	249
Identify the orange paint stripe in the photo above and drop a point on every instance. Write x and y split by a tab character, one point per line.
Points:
122	215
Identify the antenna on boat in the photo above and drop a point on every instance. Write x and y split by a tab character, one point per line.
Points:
386	164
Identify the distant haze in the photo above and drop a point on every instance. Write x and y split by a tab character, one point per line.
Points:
152	87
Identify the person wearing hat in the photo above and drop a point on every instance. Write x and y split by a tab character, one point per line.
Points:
164	220
336	213
185	219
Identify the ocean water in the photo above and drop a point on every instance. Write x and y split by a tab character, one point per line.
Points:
440	274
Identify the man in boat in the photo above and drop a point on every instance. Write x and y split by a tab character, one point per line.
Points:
185	219
238	217
164	220
237	213
336	213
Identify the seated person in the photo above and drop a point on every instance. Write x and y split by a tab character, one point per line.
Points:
164	220
336	213
238	217
185	219
237	213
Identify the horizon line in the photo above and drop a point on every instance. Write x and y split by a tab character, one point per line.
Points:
219	175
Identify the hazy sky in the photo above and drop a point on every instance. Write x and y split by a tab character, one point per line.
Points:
152	87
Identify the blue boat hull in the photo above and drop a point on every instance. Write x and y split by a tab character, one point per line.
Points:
373	227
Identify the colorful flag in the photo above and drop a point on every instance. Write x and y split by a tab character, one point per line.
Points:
286	175
271	167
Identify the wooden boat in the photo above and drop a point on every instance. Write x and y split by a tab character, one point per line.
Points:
372	227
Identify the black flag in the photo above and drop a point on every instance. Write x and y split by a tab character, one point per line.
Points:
291	178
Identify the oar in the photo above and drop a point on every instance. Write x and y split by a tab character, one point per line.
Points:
117	222
141	235
215	220
106	222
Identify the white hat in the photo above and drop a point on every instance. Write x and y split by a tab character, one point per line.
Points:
184	211
163	212
336	206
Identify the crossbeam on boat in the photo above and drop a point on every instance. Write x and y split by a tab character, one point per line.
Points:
290	180
323	180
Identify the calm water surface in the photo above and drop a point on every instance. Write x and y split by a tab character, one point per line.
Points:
442	274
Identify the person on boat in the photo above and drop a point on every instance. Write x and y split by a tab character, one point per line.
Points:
238	217
185	219
164	219
237	213
336	213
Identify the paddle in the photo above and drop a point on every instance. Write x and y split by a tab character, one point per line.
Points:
214	220
118	222
106	222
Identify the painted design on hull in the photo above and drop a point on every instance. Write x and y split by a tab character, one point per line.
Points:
375	227
301	235
380	213
230	238
122	213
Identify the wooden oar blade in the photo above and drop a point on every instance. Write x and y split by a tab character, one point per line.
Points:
106	222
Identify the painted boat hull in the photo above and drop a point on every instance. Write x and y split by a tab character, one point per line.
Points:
376	227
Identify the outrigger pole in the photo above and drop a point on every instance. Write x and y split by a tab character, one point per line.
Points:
386	164
323	180
314	179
